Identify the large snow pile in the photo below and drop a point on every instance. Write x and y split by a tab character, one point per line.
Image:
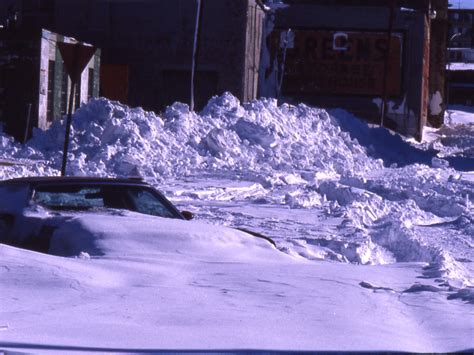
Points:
298	157
113	139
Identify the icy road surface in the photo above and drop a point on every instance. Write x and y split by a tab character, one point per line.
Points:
374	235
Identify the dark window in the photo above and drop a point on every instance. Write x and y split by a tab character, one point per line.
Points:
77	95
50	106
90	84
64	91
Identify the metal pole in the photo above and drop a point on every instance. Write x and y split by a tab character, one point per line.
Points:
195	45
387	62
68	128
285	43
27	128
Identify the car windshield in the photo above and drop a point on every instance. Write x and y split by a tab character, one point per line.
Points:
89	196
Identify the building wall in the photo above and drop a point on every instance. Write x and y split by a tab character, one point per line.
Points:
461	55
53	99
153	39
19	77
461	86
460	65
34	86
437	83
253	49
407	107
8	12
462	22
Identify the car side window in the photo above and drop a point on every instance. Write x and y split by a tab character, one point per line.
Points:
83	198
87	197
146	202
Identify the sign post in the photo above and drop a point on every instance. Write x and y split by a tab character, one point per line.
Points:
386	68
75	56
195	50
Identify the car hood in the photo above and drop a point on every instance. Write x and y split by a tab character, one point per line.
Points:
123	233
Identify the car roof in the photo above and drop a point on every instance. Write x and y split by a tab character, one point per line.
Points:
39	180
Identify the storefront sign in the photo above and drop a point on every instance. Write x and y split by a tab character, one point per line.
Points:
339	62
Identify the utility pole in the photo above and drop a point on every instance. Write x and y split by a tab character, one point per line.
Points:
195	48
387	62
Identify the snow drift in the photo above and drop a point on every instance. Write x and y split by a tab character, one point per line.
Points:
295	173
298	157
113	139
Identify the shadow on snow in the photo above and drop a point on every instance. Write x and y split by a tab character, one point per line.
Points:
380	143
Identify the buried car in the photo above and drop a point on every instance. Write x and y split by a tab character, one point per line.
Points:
34	209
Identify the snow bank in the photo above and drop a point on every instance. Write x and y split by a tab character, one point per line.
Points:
298	157
113	139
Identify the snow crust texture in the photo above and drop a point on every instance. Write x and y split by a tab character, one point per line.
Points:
329	196
110	138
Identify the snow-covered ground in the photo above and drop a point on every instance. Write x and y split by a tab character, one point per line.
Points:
374	235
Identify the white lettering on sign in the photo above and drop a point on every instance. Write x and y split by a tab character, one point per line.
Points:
340	41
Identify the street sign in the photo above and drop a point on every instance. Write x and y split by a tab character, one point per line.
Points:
75	56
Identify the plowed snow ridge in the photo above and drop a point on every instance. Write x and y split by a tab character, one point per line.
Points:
297	155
